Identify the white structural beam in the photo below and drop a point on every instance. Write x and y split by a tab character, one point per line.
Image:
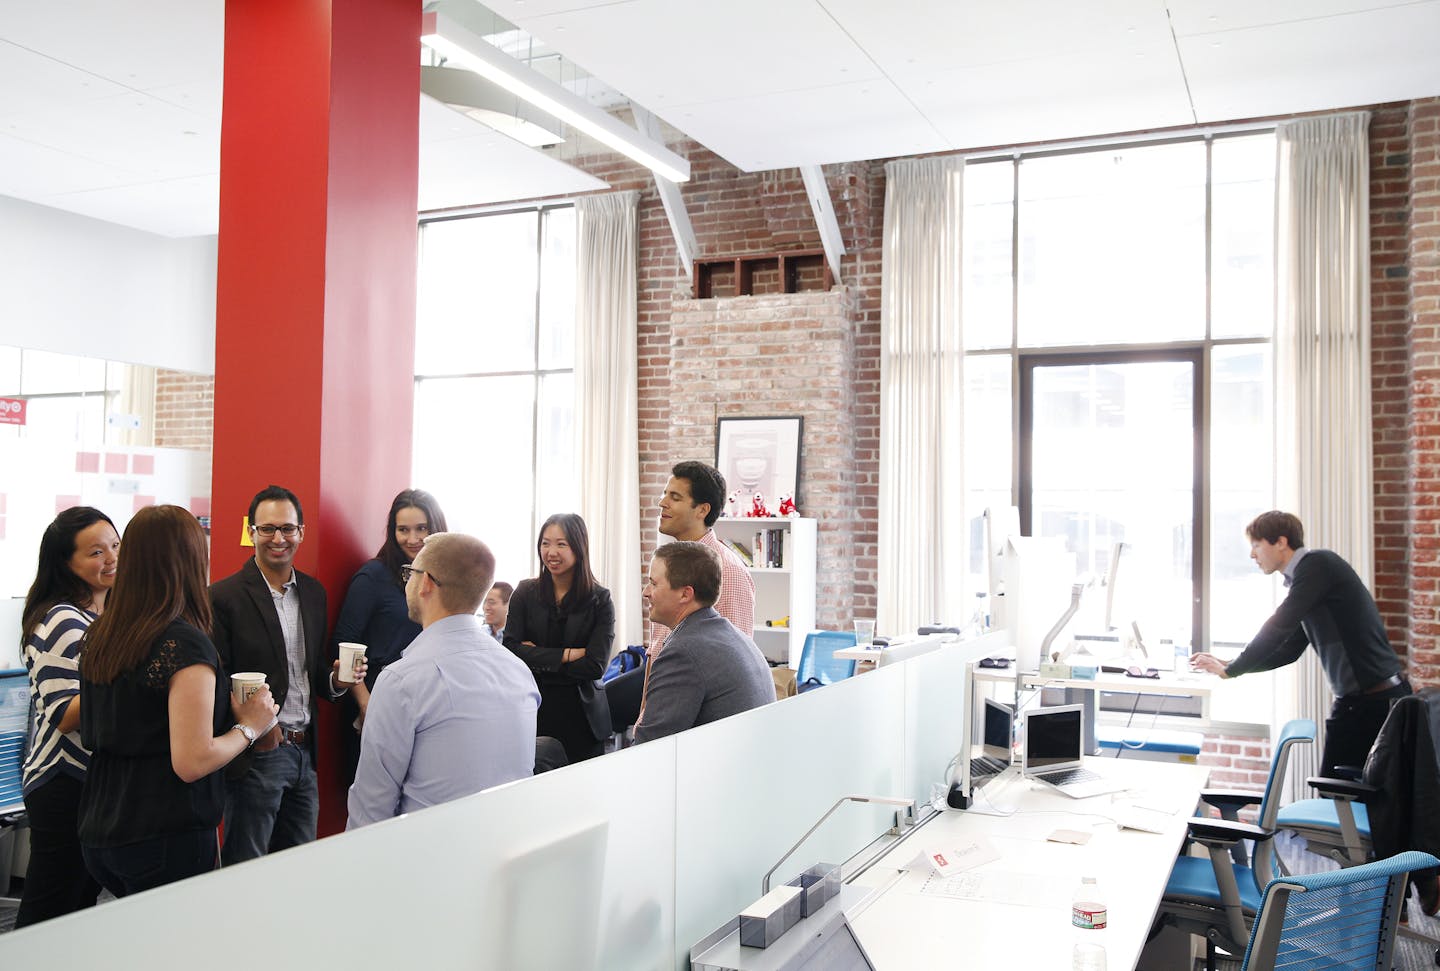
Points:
675	211
825	220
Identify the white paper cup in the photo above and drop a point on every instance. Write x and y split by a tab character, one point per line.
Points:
245	684
350	657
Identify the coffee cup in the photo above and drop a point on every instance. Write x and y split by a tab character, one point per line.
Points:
351	655
245	684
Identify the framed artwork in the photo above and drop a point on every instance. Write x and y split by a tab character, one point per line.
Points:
760	455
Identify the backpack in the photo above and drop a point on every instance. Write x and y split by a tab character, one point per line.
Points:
628	659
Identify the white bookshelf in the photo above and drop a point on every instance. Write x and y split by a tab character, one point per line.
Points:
786	590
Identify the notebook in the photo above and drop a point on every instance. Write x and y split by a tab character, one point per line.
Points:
1053	749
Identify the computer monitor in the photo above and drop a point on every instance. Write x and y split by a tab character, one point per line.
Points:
1039	574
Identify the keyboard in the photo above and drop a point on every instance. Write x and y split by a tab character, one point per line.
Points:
986	765
1067	776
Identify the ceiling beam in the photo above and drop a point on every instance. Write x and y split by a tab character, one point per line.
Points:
825	221
685	245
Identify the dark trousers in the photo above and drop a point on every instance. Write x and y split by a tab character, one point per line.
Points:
562	717
1353	725
56	881
135	867
273	806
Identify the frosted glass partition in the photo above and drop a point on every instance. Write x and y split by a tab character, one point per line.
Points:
749	787
572	869
623	862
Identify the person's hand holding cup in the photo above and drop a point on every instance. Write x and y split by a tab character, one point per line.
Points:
253	706
350	667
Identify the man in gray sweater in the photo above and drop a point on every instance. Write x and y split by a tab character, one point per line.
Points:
708	670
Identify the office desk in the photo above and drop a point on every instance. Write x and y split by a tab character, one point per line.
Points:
1192	685
904	929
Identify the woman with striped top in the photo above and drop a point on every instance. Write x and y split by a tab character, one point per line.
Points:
78	554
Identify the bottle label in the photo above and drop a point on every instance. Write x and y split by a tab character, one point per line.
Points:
1088	914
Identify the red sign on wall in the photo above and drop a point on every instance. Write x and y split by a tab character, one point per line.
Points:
12	411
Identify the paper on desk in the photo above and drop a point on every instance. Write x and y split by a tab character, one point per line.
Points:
998	886
946	861
1142	818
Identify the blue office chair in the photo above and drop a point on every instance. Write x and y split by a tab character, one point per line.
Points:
1216	898
14	732
818	664
1343	919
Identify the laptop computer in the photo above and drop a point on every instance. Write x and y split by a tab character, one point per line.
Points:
1053	749
999	733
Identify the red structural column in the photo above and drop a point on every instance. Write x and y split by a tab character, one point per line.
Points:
315	307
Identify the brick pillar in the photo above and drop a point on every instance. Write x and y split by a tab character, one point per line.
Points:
1390	362
1424	273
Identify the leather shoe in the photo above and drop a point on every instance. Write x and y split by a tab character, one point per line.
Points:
1428	889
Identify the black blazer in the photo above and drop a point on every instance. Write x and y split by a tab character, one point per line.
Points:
590	625
247	633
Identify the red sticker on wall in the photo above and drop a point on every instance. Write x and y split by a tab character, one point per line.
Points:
12	411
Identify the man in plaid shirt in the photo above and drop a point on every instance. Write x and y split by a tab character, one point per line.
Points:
693	500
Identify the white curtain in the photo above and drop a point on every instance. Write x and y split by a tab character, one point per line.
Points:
922	535
607	448
1322	356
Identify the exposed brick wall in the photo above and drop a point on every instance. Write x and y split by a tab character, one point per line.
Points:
1424	428
1236	762
184	409
1390	362
780	354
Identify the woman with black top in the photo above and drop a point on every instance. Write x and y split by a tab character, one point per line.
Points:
74	575
374	612
154	713
562	624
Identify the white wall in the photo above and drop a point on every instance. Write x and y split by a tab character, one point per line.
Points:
81	286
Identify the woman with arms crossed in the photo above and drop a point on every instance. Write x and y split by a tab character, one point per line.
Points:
154	711
76	569
561	624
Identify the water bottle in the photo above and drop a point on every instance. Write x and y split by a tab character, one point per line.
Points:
1088	915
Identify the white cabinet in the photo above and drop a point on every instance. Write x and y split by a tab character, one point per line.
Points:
787	590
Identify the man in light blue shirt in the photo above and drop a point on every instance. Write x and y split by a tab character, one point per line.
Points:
456	714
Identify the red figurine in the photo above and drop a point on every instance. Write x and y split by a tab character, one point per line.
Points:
787	506
757	508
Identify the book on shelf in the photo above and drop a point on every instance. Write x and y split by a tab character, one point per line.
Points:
769	548
741	551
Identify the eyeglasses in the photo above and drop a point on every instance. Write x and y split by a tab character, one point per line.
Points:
408	571
1139	672
268	530
994	662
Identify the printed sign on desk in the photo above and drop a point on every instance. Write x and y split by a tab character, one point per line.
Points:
12	411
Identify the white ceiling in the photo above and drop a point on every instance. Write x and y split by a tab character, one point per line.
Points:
112	109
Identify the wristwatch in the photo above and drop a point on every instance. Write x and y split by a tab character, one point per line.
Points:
248	732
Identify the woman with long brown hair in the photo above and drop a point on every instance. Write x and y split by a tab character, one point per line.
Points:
561	624
374	612
76	570
154	713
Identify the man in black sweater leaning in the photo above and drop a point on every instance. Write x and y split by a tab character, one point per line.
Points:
1329	608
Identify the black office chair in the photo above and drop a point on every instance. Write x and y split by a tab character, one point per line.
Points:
625	692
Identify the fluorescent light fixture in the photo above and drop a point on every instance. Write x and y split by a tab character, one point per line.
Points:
468	50
492	106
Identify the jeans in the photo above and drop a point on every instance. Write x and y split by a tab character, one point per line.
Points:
134	867
56	881
274	806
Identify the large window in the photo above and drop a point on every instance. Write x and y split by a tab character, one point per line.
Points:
494	375
1118	317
